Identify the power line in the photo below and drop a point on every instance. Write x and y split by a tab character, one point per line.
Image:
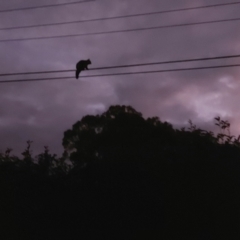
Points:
121	74
45	6
129	65
120	31
121	16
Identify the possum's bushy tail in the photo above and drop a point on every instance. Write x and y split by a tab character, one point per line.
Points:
77	73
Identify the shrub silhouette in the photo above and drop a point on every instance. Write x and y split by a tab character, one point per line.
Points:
130	178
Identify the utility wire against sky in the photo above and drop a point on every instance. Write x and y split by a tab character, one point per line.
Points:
44	6
121	74
129	65
120	31
120	17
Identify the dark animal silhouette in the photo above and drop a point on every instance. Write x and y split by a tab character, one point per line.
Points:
82	65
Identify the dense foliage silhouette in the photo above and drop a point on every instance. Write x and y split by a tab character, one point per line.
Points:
125	177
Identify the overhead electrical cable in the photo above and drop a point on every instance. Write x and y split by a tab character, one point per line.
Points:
44	6
129	65
121	74
119	17
120	31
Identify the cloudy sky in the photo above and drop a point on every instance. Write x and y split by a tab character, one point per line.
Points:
42	111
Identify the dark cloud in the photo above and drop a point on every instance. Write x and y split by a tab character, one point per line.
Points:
42	111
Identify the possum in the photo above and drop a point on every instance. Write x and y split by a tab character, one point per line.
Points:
82	65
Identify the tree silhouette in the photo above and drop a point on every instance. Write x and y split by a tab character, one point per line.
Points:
131	178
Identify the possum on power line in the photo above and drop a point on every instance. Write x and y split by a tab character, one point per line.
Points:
82	65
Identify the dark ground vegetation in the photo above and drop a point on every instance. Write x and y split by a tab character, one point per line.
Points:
129	178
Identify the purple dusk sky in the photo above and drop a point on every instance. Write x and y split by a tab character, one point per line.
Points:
42	111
